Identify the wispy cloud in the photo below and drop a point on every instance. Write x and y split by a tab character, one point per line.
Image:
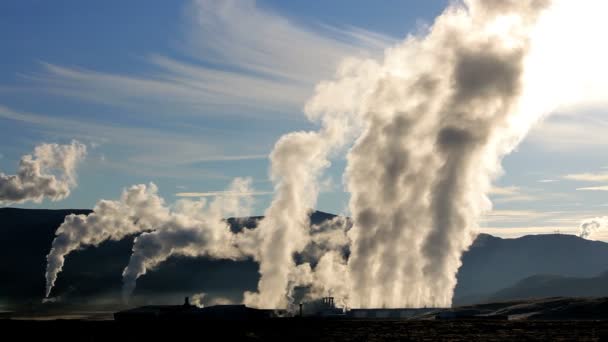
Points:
505	191
570	133
222	193
594	188
547	180
239	56
229	158
588	177
143	151
511	194
516	215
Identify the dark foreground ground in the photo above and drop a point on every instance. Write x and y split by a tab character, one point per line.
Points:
287	329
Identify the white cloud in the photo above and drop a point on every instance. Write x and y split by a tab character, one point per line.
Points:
594	188
512	194
505	191
515	215
588	177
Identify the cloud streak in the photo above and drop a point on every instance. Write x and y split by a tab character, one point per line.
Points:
142	150
587	177
222	193
594	188
229	66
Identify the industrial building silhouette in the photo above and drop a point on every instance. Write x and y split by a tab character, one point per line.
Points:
325	308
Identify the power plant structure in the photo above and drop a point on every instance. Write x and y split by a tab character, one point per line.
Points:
323	308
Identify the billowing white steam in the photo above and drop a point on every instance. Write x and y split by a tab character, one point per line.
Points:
193	228
440	118
297	162
197	299
139	209
444	108
430	124
590	226
49	173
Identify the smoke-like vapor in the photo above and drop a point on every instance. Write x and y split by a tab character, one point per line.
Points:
441	111
297	161
190	226
193	229
590	226
49	173
330	278
139	209
435	132
197	299
430	124
326	237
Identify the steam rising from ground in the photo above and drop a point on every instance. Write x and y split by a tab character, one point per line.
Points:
49	173
590	226
429	125
442	110
139	209
193	228
297	161
441	117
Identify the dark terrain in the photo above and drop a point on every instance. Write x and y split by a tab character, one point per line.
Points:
294	329
494	269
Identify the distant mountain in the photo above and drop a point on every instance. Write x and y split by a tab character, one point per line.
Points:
93	275
554	286
492	263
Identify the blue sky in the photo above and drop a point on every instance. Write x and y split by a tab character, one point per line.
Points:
189	94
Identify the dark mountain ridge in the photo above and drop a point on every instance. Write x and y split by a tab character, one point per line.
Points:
93	275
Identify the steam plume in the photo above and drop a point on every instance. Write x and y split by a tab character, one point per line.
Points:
442	110
297	161
193	229
430	124
590	226
49	173
139	209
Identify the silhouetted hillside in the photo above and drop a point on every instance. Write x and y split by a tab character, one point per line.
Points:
492	263
554	286
93	275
